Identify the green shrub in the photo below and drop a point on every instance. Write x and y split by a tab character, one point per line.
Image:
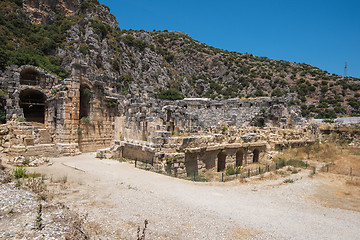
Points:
21	119
231	170
123	83
115	65
259	93
84	49
87	92
277	93
101	29
170	94
288	180
170	160
295	163
20	172
26	161
280	162
85	120
327	113
169	57
88	3
354	103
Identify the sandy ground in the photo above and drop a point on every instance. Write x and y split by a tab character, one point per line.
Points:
116	198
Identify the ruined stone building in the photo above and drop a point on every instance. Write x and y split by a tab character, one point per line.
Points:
48	116
60	110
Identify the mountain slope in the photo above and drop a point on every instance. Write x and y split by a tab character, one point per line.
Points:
54	34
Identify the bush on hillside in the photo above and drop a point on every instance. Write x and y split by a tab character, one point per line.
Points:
170	94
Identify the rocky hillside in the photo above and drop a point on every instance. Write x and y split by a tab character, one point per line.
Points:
54	34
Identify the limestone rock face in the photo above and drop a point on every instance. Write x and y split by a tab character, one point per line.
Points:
44	11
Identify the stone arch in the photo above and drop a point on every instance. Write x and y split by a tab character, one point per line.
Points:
33	103
29	76
240	158
85	96
221	160
256	154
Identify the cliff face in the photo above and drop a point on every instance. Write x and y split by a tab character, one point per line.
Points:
44	11
128	61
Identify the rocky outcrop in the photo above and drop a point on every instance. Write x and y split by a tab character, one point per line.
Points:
44	11
128	60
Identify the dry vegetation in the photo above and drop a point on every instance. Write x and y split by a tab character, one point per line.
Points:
330	157
339	177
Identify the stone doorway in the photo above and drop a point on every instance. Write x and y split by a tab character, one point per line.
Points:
85	96
191	164
256	154
221	160
239	158
33	104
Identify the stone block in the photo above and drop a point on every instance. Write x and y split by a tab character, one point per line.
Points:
29	141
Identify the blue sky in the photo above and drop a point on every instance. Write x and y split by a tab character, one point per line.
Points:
322	33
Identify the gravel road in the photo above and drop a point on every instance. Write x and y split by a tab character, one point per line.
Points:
116	198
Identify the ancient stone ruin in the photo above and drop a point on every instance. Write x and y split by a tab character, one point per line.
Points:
46	116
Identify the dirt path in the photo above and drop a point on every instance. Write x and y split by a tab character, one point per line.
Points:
116	198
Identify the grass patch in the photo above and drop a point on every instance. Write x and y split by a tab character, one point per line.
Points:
34	175
20	172
197	178
283	161
121	159
295	163
353	182
288	180
342	158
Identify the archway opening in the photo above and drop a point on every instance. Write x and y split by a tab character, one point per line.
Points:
239	158
221	160
85	96
33	104
29	76
256	155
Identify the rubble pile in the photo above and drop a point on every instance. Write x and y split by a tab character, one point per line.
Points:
28	161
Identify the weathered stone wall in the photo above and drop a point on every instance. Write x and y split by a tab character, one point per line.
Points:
149	119
60	106
138	153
